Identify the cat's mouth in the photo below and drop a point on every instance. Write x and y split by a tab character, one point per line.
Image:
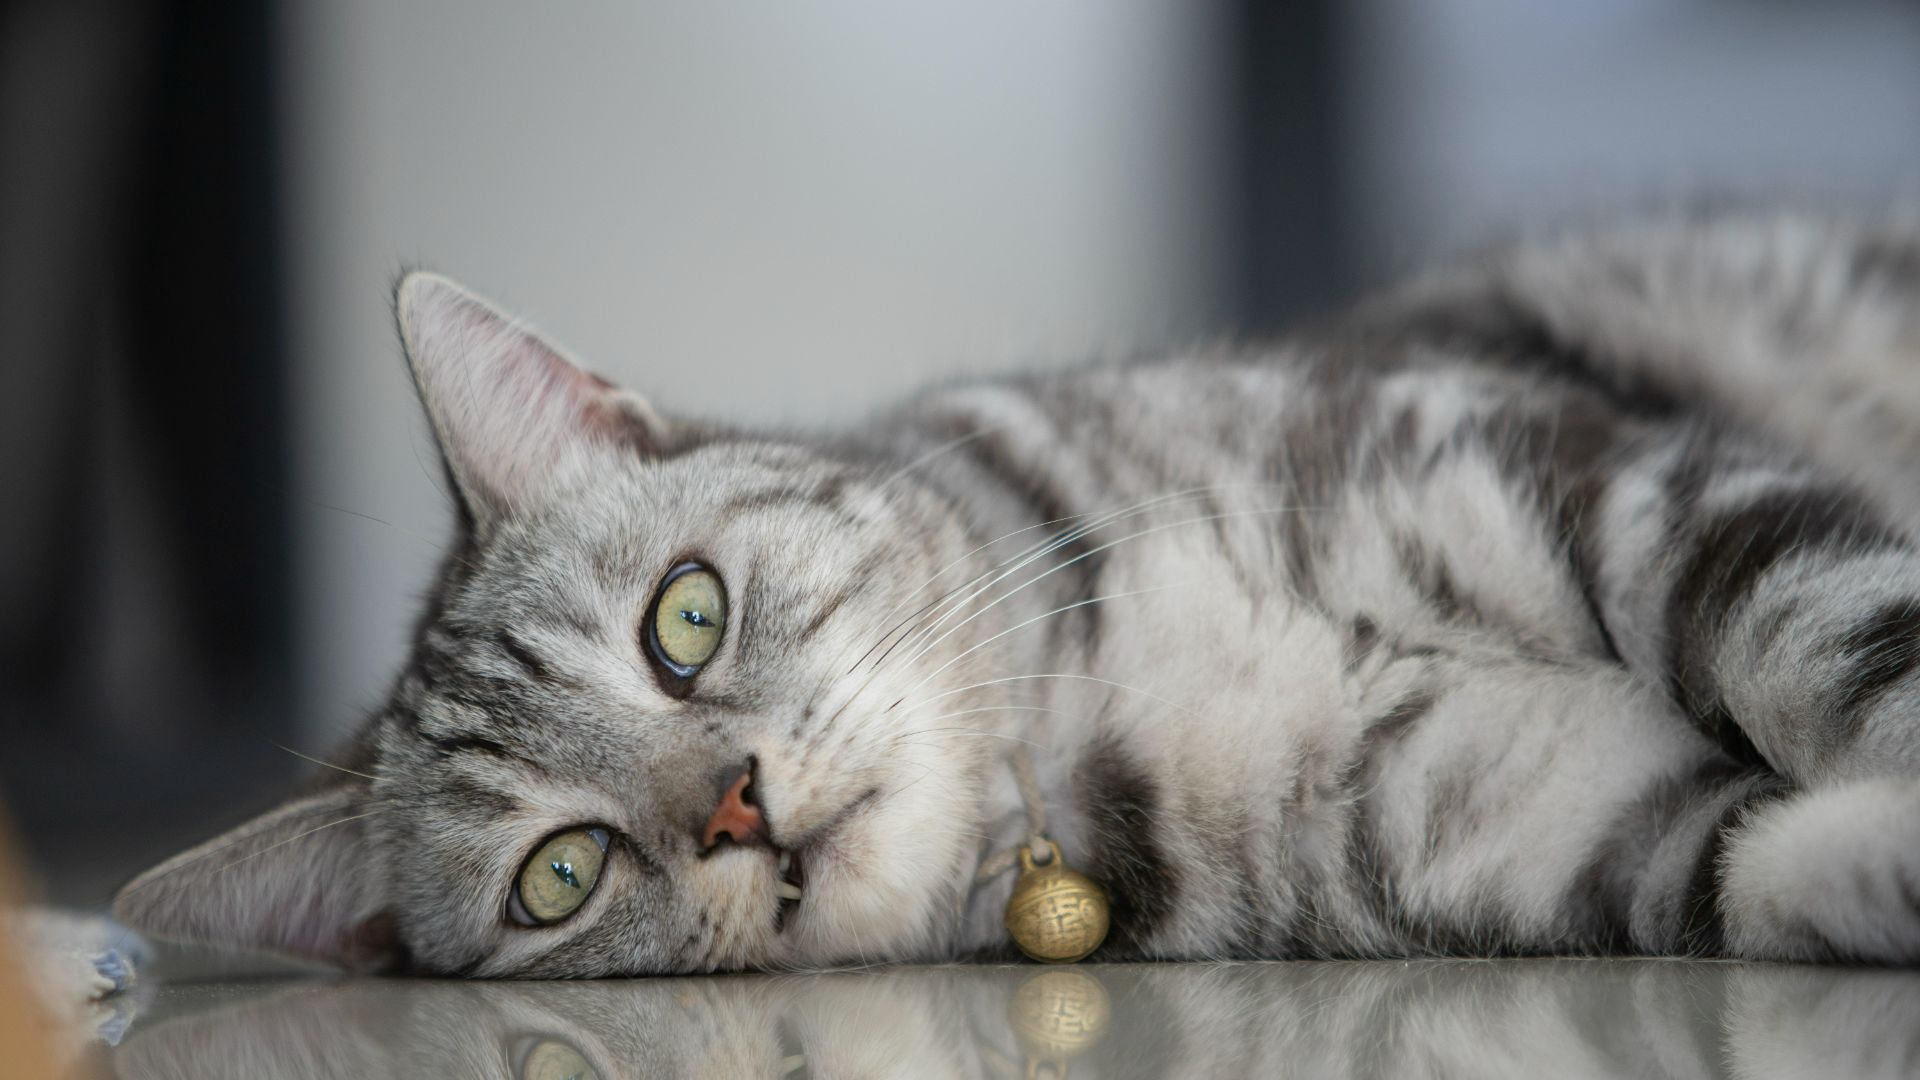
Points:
791	883
790	886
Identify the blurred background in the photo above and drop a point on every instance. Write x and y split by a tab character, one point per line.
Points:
219	506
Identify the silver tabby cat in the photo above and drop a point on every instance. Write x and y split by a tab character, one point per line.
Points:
1565	601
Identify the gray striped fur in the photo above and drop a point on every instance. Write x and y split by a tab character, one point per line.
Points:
1561	602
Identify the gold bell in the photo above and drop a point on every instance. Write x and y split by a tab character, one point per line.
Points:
1056	914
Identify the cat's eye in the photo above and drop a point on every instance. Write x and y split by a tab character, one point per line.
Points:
558	877
552	1059
688	620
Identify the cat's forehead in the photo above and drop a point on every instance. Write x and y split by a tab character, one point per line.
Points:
784	529
747	504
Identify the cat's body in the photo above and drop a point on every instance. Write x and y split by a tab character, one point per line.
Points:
1566	602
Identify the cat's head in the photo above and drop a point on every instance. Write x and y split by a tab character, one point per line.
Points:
643	623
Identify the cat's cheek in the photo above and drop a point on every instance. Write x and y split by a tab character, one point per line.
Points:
870	890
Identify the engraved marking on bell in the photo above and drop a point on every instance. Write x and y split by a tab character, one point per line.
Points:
1059	1014
1056	914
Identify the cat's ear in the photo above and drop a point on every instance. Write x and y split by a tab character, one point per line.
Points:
508	407
298	879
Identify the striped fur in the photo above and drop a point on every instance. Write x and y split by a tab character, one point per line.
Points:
1562	602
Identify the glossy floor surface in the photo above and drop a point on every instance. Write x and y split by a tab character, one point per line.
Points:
1522	1019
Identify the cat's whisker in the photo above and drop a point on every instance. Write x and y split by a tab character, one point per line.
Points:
376	806
300	836
925	771
938	574
406	532
323	764
1089	554
928	628
878	717
1027	556
1019	559
976	731
909	622
1033	553
945	447
912	737
1037	552
1042	547
250	856
1059	675
911	466
1029	622
990	708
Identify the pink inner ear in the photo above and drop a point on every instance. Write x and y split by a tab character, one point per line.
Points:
509	408
612	422
572	402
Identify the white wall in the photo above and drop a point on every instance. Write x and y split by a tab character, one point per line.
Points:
1472	117
767	211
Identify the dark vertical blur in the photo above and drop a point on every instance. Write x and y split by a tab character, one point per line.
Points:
144	576
1291	258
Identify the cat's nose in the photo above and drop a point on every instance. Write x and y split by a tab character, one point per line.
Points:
738	817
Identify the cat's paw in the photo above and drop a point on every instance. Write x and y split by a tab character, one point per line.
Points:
1832	874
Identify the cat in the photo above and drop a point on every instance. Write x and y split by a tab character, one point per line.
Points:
1562	601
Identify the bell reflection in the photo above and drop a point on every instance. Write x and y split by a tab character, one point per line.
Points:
1057	1015
1521	1019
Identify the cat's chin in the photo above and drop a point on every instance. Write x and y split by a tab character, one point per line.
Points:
870	891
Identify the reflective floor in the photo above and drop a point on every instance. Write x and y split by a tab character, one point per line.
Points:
1531	1019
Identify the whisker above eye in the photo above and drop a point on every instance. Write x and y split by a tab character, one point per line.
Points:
323	764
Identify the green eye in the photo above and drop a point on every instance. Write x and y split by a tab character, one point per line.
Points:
559	877
689	618
551	1059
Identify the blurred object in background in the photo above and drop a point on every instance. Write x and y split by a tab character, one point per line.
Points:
28	1034
144	555
220	506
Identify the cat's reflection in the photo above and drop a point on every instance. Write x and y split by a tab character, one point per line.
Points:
1521	1019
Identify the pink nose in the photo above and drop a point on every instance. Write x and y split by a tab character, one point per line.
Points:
737	818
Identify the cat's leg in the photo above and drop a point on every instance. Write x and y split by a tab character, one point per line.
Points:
1542	806
1831	874
1530	805
1781	608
